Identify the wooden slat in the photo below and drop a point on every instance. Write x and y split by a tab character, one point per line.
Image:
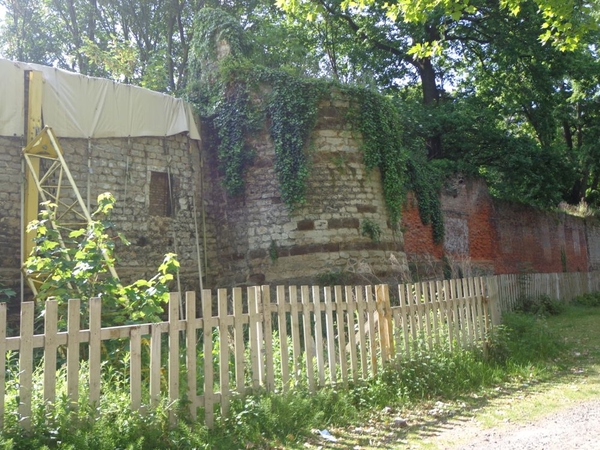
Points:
191	358
3	362
260	336
95	358
296	348
50	331
207	336
283	344
253	299
341	333
351	320
155	364
223	352
405	319
268	337
174	302
362	323
309	343
412	313
135	369
381	321
447	307
370	310
73	325
427	308
26	364
331	356
319	345
238	335
435	295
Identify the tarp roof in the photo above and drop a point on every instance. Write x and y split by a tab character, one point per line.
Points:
78	106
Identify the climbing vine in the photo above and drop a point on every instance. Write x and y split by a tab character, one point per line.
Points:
385	146
425	181
239	95
380	125
233	119
292	109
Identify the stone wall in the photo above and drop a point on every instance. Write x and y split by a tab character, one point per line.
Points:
128	169
256	238
484	235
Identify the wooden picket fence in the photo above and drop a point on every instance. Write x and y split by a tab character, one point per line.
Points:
557	286
247	340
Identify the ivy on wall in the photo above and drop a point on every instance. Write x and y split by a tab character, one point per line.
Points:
425	181
380	125
240	96
233	119
249	97
386	146
292	108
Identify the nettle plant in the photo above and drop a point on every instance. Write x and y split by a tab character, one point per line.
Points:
79	267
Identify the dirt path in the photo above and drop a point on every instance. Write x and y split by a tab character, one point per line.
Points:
575	427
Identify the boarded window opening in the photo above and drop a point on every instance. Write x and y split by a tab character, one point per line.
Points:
160	198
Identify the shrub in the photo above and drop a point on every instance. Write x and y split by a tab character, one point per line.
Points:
542	305
590	300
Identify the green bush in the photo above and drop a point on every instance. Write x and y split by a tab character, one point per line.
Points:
542	305
589	300
523	339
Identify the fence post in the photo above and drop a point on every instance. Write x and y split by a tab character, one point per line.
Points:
173	374
73	327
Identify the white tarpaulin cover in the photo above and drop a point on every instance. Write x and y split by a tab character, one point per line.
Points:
77	106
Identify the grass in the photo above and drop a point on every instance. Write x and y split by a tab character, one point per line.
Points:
533	364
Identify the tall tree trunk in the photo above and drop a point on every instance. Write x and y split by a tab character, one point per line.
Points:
431	97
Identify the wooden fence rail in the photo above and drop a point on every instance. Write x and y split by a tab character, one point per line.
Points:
239	341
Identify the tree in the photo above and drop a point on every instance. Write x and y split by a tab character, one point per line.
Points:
145	43
80	269
432	35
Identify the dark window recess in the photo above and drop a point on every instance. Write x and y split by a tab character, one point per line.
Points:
160	198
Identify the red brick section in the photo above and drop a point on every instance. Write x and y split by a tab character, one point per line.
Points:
418	238
507	237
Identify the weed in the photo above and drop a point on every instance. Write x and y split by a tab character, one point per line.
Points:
371	229
589	300
333	278
542	305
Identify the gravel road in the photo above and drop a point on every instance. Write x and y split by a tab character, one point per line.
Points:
575	427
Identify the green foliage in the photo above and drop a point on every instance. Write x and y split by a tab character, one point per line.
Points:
286	418
80	269
232	98
333	278
371	229
542	306
214	27
523	339
379	123
110	425
427	374
232	121
588	300
292	108
426	183
6	293
273	251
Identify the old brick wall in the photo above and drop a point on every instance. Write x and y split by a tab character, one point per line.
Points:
256	238
123	167
10	211
484	235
